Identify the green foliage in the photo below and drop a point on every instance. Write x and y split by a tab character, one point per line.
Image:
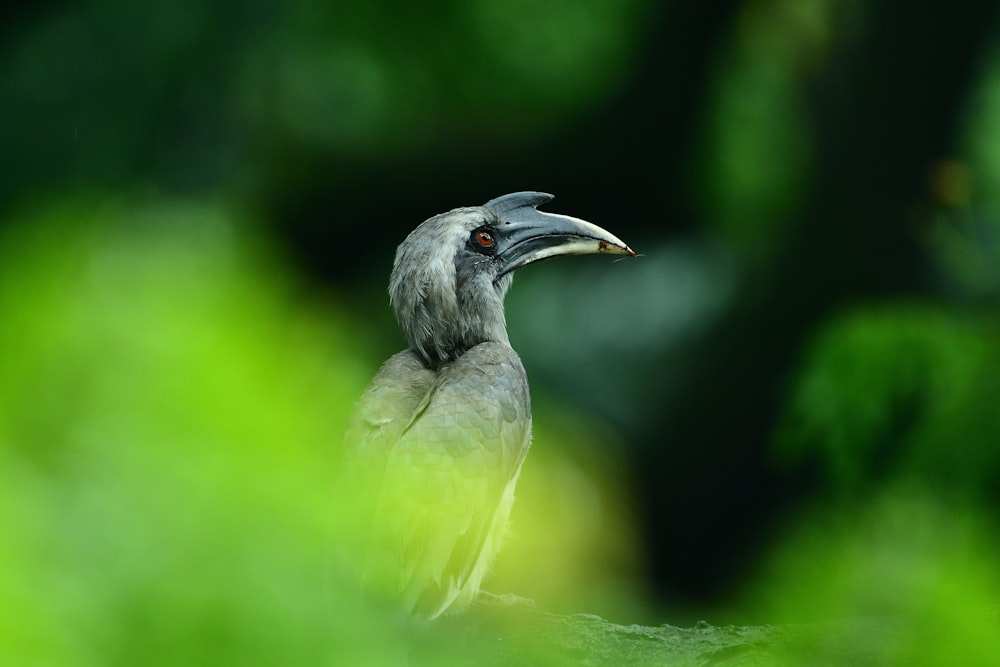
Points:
757	149
918	575
904	389
194	95
981	135
169	411
896	404
574	544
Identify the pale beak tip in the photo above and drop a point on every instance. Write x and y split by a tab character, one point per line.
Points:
614	248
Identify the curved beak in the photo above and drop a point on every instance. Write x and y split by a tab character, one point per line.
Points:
528	235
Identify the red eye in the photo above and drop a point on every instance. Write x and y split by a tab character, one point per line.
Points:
484	238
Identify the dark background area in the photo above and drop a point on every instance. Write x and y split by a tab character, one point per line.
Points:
811	185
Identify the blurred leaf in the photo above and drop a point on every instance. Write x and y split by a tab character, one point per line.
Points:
168	411
573	543
901	389
930	567
197	96
981	133
756	160
962	229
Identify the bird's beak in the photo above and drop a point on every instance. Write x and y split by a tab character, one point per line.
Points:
528	235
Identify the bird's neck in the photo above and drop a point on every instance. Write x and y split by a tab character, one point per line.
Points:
443	324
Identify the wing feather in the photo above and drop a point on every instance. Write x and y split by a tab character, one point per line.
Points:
444	479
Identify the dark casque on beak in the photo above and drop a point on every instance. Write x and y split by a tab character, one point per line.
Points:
528	235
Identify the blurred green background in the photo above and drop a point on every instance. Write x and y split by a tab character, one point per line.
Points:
787	410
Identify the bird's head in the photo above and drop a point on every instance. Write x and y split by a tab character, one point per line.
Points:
452	272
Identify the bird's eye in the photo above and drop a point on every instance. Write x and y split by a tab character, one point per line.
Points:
484	238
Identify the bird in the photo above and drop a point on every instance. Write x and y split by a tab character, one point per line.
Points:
435	444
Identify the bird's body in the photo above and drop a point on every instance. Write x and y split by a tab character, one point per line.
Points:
436	442
447	470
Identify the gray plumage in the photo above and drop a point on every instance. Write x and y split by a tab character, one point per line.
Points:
436	442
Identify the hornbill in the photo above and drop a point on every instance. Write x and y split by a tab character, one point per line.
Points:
436	442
